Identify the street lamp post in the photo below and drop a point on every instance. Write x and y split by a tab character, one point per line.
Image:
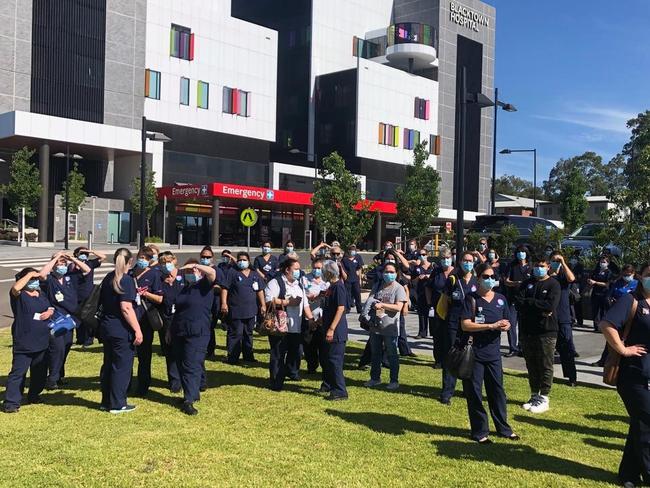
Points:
67	155
152	136
534	151
508	107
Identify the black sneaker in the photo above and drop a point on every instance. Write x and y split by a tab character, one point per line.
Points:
336	398
124	409
203	388
34	400
188	409
10	408
175	389
52	386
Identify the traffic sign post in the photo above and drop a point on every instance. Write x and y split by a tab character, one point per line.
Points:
248	218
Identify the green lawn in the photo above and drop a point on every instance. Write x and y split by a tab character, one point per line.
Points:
246	435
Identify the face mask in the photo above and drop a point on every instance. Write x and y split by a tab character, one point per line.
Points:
468	267
154	257
482	247
646	283
266	250
446	262
521	256
62	269
390	277
540	272
289	249
317	272
242	264
33	285
604	265
555	266
628	278
205	261
225	260
353	253
489	283
422	259
492	256
548	252
168	268
412	248
82	257
296	274
388	247
190	278
142	263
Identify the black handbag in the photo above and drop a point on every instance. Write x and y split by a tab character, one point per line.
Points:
460	360
152	315
89	310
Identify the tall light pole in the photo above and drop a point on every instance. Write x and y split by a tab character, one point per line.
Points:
534	151
464	98
67	157
152	136
508	107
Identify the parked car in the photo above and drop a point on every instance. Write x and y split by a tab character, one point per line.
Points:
584	239
492	224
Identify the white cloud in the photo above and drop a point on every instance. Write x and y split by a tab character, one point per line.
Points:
599	118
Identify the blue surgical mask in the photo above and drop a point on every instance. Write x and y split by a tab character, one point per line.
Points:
353	253
82	257
168	268
317	272
628	278
467	267
61	269
492	256
296	274
390	277
225	259
422	258
142	263
539	272
242	264
154	258
205	261
266	250
289	249
646	283
555	266
521	256
446	262
33	285
489	283
190	278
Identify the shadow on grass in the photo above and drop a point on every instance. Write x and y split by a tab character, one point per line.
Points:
63	398
384	423
518	456
602	445
607	417
580	429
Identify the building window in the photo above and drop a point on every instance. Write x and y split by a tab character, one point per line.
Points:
236	102
203	93
422	108
411	138
366	49
388	135
434	145
185	91
152	84
181	43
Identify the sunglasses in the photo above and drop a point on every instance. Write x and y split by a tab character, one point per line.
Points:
206	257
336	254
423	255
487	276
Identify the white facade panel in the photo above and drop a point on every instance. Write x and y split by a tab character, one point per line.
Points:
228	52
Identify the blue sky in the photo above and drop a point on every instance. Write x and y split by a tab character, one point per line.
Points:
576	70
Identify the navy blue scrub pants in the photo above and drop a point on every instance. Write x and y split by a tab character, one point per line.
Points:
240	339
513	342
449	335
332	358
567	351
377	344
116	371
423	322
599	307
490	372
212	345
173	377
85	335
311	350
354	295
190	358
634	392
285	359
144	352
58	351
402	342
36	363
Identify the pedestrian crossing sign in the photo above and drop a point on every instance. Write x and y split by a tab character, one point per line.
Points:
248	217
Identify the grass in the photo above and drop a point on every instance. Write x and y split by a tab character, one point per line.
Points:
246	435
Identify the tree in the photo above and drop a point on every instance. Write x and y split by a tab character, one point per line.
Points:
504	242
573	203
339	206
514	185
418	200
24	188
151	198
539	239
76	195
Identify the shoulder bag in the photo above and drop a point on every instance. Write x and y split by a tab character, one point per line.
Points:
612	367
89	308
442	307
151	312
460	360
275	321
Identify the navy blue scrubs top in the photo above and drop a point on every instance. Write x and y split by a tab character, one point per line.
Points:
415	271
29	335
112	321
437	282
335	296
219	279
458	292
62	295
169	293
517	272
351	264
85	283
194	309
152	279
242	293
487	343
564	307
602	276
639	333
267	268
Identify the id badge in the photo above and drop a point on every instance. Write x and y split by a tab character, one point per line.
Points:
480	319
138	300
455	295
256	287
59	296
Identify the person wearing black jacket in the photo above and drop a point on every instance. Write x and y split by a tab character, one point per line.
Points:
538	299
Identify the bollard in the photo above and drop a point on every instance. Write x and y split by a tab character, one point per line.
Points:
90	240
180	239
112	238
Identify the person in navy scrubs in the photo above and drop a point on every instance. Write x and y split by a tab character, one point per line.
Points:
634	376
266	264
30	339
335	327
420	274
289	247
120	332
458	286
242	298
434	289
484	317
519	270
85	285
206	258
148	278
600	281
172	283
315	287
353	264
190	331
61	290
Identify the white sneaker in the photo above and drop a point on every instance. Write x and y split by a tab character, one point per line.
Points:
394	385
371	383
533	398
541	405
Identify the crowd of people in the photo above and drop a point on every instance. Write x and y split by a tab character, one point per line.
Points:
472	297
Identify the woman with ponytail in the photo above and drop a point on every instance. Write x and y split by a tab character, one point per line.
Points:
120	332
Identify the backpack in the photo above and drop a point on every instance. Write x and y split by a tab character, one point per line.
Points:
90	309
